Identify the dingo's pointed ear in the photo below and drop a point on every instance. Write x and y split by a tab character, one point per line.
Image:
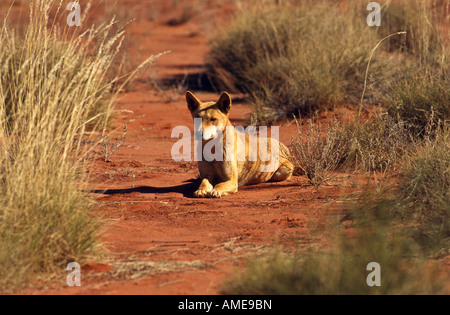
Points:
224	103
192	102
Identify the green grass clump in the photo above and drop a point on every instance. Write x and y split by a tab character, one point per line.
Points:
420	97
321	149
421	90
425	193
420	20
311	56
307	56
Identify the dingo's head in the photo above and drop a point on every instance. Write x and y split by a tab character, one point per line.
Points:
214	115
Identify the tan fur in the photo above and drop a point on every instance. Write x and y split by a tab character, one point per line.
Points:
220	178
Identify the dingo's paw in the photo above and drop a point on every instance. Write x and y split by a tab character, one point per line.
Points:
215	193
201	193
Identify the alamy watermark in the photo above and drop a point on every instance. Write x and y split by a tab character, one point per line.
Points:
74	17
74	277
374	18
234	147
374	277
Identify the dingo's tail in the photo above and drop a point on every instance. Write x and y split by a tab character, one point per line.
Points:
298	170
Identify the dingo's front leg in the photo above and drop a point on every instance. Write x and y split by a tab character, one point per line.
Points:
204	189
225	188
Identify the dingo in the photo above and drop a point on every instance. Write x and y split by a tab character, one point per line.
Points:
223	177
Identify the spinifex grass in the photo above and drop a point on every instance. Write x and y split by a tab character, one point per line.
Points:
299	56
52	88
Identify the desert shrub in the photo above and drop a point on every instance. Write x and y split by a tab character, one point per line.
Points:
319	149
307	56
377	144
52	88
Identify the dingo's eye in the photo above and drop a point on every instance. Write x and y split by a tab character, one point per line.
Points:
213	119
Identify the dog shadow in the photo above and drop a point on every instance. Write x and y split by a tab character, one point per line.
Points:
186	189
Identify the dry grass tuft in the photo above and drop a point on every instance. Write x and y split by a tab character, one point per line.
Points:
52	89
318	150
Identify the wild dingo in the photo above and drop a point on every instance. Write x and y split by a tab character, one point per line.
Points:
240	165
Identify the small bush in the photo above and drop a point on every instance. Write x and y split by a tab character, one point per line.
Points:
422	95
318	151
378	144
421	90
